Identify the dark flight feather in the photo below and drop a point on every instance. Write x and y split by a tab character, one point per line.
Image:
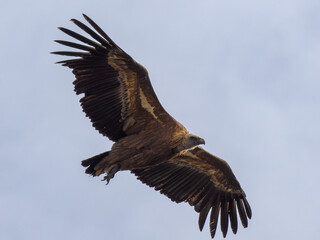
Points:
79	37
99	30
75	45
72	54
214	217
91	33
224	217
233	216
242	214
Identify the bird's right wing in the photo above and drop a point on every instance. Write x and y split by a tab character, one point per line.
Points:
205	182
118	95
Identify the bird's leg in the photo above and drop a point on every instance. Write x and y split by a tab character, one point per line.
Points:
111	172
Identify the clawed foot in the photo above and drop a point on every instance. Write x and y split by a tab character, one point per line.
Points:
112	171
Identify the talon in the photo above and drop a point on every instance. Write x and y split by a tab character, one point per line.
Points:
111	172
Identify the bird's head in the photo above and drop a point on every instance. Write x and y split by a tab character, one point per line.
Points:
191	140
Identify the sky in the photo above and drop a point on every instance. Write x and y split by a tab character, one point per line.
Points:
243	75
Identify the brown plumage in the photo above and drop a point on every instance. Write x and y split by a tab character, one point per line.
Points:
120	101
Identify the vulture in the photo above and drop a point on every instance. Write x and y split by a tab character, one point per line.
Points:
119	100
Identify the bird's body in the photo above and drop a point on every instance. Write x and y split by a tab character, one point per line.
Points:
122	105
137	150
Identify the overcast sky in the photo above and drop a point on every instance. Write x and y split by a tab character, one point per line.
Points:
244	75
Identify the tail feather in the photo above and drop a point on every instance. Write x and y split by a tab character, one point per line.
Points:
90	163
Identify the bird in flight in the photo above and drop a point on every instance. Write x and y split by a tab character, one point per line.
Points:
122	105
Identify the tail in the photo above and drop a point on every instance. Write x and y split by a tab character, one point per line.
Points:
90	163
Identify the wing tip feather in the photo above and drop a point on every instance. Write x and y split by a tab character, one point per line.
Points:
247	207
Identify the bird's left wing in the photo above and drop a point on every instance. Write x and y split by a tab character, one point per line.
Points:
205	182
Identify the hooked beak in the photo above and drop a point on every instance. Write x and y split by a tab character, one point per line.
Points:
202	141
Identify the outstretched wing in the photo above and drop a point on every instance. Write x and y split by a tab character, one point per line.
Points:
205	182
118	96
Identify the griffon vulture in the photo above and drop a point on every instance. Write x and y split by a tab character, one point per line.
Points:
120	101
